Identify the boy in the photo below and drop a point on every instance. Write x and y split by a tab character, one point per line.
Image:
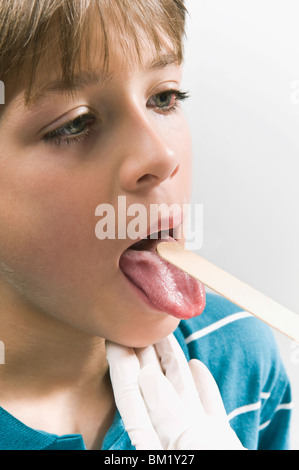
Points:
92	112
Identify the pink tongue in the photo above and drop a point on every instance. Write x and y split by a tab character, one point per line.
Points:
168	288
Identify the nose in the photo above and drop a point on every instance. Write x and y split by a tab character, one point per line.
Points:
148	158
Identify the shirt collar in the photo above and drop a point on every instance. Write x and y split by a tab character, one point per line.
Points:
15	435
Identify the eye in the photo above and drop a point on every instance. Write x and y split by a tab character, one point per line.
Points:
76	126
167	101
73	131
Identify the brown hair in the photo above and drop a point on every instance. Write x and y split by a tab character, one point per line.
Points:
31	30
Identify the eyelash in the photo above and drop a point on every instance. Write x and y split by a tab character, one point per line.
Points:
60	137
179	97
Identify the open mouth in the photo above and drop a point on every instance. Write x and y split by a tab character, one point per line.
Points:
165	286
151	240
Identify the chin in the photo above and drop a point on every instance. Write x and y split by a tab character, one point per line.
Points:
139	337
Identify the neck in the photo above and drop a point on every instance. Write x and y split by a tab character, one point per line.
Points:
36	344
49	362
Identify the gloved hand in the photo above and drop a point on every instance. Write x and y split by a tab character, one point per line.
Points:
166	403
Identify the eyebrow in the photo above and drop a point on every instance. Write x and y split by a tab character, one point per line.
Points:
162	62
89	78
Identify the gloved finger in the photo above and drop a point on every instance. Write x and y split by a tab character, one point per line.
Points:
123	366
176	369
124	371
168	414
148	356
207	389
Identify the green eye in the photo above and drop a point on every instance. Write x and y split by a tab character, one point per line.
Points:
167	101
77	126
164	100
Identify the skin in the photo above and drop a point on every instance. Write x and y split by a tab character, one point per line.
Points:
62	292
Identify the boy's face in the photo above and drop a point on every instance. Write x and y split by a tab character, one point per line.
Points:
131	141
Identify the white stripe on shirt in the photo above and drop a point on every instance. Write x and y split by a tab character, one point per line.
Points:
264	425
244	409
283	406
254	407
215	326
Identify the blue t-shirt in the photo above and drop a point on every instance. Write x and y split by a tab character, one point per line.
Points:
242	355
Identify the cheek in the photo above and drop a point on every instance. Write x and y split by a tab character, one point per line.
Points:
48	223
183	149
187	152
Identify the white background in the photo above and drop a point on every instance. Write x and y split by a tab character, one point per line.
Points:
242	70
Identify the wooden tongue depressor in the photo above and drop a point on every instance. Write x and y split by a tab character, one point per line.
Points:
239	293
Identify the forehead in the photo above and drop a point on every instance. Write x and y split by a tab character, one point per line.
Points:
96	76
98	51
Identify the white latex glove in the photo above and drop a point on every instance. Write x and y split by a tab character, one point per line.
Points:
166	403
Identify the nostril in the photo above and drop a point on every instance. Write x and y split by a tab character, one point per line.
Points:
148	178
174	172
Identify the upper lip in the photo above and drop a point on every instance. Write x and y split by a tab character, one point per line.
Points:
164	224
